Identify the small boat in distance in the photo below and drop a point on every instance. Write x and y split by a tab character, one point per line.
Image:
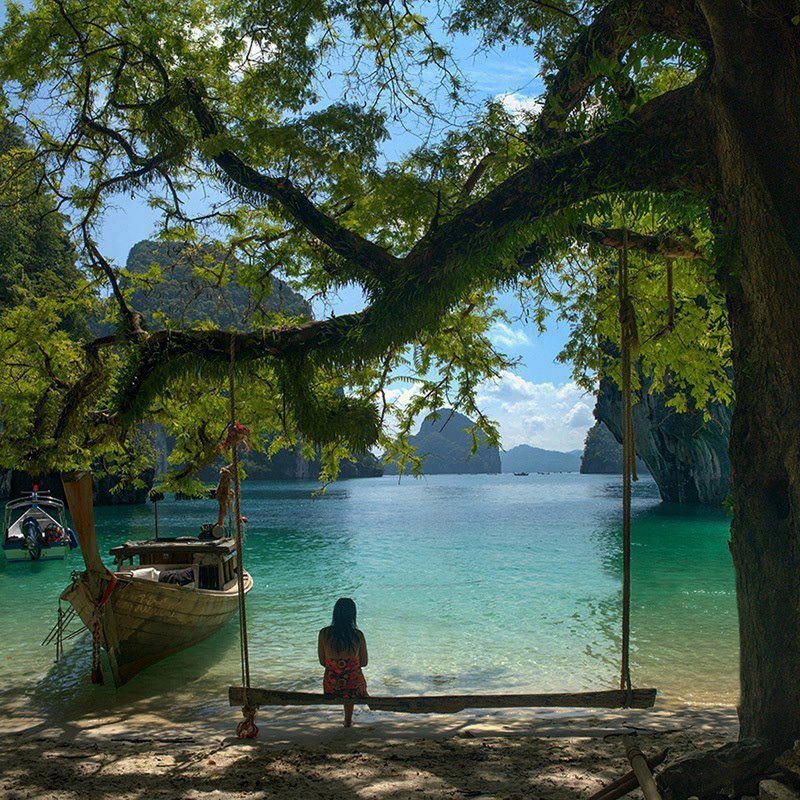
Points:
164	595
521	474
35	528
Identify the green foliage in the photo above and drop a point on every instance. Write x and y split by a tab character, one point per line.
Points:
298	99
690	362
36	255
31	345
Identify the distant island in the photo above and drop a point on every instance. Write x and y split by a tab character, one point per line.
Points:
526	458
443	441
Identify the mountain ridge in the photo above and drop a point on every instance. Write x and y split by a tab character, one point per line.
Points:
445	446
528	458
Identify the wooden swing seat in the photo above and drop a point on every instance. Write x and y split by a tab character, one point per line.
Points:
451	703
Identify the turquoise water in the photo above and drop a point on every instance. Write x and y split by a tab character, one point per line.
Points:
463	583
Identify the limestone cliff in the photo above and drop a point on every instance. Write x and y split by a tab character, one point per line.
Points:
602	453
526	458
105	492
182	296
687	455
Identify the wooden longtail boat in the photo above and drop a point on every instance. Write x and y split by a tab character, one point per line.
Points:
162	597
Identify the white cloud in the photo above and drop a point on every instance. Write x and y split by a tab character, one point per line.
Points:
553	416
520	106
400	395
504	335
580	417
546	415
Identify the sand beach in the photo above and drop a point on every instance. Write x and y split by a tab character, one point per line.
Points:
164	753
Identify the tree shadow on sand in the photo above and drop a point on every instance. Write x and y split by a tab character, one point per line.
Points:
310	756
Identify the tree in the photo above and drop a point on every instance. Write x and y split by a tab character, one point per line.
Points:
37	256
657	114
46	306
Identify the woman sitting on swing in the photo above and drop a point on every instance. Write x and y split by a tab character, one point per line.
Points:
342	650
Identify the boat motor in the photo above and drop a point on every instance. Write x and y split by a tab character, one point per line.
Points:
34	539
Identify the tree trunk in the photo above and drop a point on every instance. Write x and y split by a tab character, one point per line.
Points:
756	113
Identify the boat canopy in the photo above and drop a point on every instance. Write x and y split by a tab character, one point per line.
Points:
213	560
29	499
183	546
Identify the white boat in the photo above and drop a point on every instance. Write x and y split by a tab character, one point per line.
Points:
36	529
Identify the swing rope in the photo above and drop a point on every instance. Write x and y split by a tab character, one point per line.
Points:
629	348
627	697
247	729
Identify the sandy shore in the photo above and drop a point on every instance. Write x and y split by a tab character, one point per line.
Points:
307	754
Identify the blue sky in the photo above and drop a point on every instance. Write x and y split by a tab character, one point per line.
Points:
538	404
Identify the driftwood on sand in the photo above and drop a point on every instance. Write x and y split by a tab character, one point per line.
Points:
628	782
641	768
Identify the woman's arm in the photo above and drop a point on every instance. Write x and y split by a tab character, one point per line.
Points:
363	658
321	647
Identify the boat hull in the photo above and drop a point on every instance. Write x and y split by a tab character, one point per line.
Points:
48	553
143	621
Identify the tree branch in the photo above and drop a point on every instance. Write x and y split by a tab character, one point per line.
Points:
668	245
373	261
143	166
133	319
630	156
475	176
645	152
611	33
158	351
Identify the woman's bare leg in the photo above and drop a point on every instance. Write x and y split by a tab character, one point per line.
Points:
348	714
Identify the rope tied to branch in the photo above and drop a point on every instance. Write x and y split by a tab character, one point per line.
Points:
237	434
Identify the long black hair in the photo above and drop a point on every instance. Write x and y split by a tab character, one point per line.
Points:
343	632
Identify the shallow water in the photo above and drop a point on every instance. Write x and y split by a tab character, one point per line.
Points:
463	583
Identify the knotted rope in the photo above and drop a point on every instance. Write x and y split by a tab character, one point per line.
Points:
247	728
97	631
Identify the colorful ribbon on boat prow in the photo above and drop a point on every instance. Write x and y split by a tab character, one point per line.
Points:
112	582
97	637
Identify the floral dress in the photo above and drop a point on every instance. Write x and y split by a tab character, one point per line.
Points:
344	678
